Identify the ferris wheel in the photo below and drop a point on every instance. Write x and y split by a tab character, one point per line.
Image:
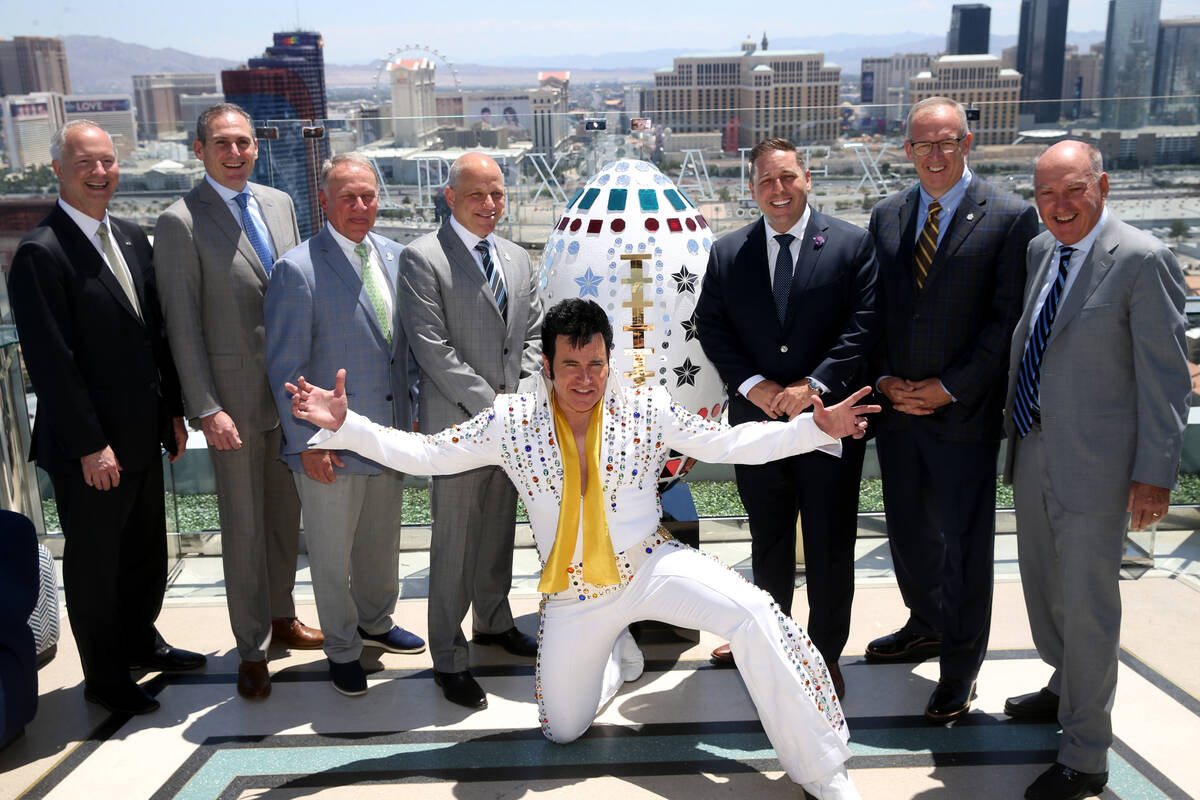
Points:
382	90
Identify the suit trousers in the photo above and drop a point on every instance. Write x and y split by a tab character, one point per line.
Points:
939	499
260	537
823	490
114	568
1070	563
352	530
470	560
582	641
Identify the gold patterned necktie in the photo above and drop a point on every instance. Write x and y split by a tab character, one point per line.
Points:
599	560
927	243
119	269
374	292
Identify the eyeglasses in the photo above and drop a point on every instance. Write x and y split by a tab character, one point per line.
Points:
947	146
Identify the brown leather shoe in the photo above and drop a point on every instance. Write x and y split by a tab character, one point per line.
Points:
839	683
723	656
254	681
294	634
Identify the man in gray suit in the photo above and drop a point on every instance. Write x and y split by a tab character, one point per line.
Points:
473	319
331	303
1097	404
214	250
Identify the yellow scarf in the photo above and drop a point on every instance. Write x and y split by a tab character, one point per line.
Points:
599	561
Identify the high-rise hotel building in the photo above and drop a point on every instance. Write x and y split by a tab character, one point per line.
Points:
757	93
976	81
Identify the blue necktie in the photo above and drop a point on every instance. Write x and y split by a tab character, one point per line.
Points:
495	282
1025	406
258	237
782	283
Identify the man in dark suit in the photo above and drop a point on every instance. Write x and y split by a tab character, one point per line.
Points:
951	267
787	311
1097	404
86	308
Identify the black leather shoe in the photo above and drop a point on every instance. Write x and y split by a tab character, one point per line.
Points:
512	640
1040	706
950	700
1063	783
461	688
168	659
903	645
129	699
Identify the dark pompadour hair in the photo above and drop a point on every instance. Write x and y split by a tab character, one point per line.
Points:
579	320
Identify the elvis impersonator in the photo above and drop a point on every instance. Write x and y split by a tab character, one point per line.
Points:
585	454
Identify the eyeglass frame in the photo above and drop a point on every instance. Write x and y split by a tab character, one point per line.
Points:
941	145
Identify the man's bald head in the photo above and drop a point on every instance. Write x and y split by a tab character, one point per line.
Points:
475	193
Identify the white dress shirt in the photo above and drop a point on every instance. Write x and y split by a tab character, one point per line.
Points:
229	195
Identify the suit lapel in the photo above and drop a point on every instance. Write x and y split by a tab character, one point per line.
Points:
391	268
464	264
1033	285
968	214
807	262
1091	272
131	260
906	225
218	213
332	256
87	259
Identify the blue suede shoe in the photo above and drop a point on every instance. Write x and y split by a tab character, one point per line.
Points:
397	640
350	678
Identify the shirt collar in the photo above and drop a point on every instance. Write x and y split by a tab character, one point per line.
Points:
952	197
469	239
226	193
88	225
796	230
347	245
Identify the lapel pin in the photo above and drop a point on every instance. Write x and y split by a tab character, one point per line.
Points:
818	241
970	217
389	256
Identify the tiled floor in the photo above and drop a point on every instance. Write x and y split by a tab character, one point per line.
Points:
684	730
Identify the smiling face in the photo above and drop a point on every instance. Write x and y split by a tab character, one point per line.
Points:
477	197
228	151
88	172
1069	195
780	185
350	200
579	374
937	171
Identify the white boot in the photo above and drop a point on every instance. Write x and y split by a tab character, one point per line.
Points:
834	786
632	660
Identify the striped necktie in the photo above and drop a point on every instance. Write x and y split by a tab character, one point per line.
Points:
782	281
255	232
927	243
494	279
374	292
1025	407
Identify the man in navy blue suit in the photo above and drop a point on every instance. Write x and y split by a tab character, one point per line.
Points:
787	311
951	269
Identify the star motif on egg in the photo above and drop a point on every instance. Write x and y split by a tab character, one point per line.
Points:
686	373
689	328
685	281
589	283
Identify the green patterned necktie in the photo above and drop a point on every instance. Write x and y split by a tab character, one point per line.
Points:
374	290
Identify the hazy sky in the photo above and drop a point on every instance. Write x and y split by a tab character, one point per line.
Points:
470	31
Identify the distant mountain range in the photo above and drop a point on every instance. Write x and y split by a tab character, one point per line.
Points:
101	65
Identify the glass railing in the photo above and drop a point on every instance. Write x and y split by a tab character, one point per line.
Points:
855	154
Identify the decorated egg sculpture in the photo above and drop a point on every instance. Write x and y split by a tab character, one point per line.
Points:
634	243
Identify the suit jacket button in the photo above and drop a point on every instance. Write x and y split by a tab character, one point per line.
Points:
388	398
783	348
506	351
503	387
